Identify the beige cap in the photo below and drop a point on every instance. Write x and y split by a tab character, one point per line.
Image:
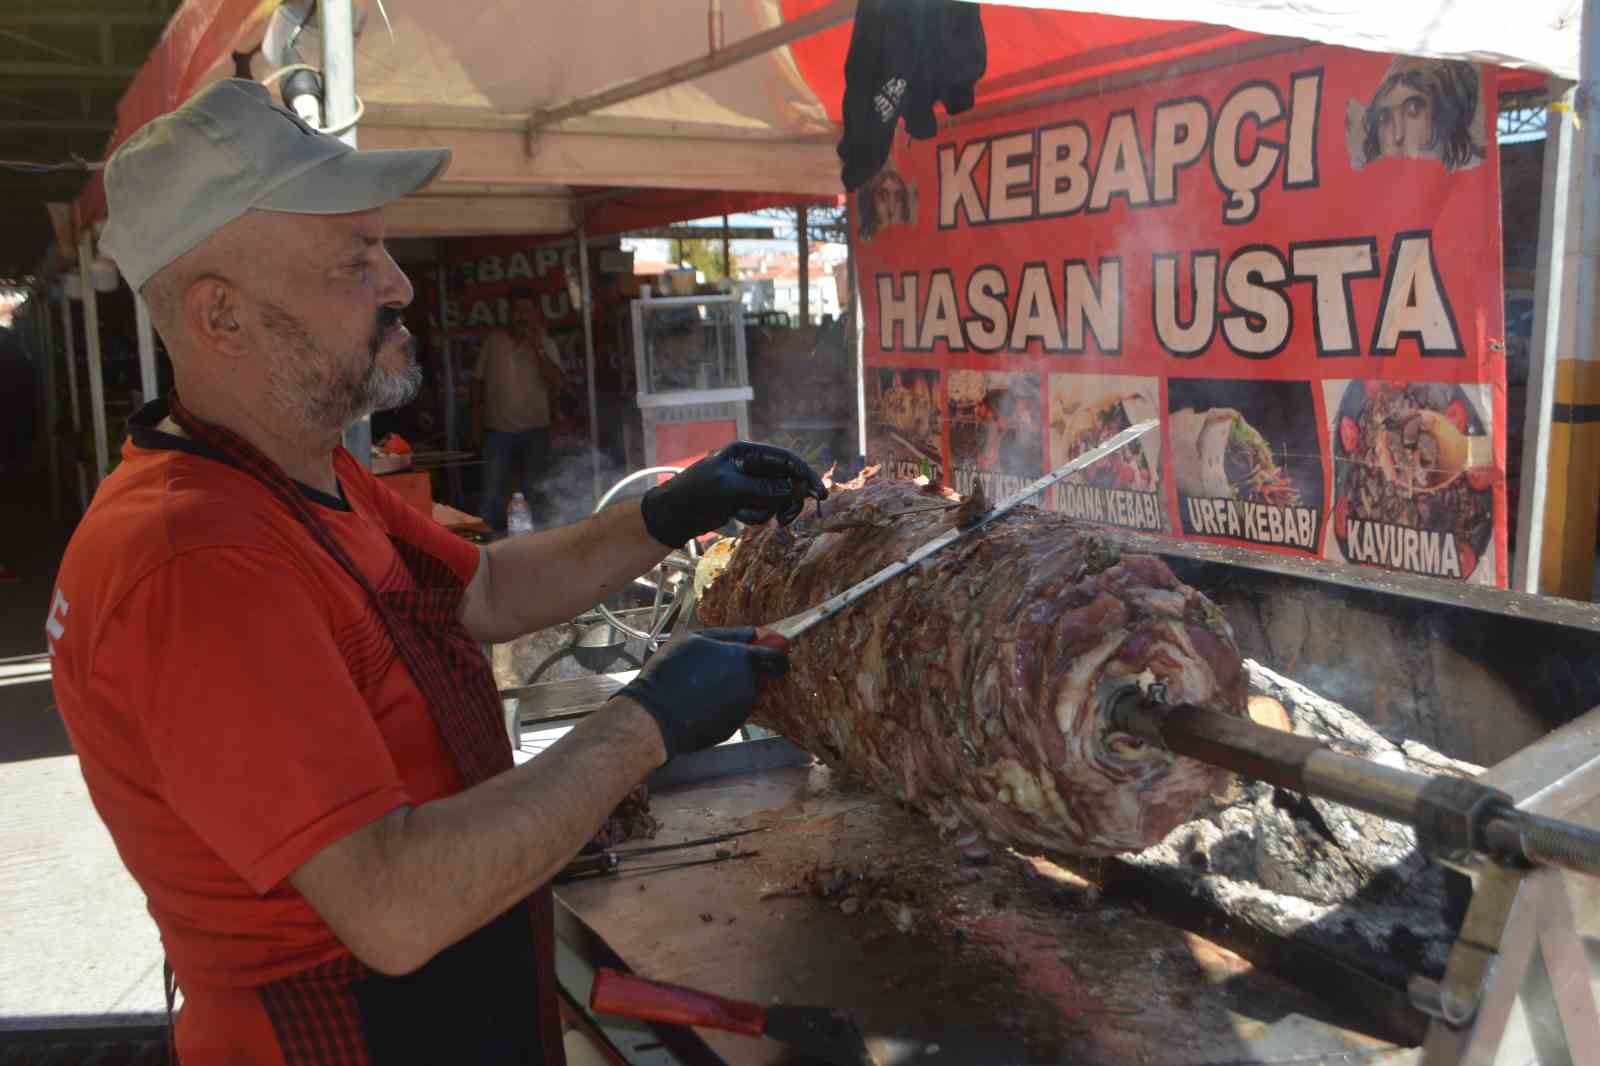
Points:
229	149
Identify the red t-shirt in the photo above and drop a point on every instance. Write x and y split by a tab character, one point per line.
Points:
236	706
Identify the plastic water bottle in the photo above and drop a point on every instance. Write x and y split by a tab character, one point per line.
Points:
519	519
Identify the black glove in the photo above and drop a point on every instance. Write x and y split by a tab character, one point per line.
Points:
750	482
700	689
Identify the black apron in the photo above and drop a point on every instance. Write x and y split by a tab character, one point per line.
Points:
490	998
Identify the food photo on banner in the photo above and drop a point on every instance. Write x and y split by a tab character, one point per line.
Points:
1213	249
1414	477
904	430
1124	489
993	421
1247	461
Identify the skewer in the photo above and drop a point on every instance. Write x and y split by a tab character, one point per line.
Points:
1446	812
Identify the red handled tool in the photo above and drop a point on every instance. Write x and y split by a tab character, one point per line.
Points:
822	1032
780	634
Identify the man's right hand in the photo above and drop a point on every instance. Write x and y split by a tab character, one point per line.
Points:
700	689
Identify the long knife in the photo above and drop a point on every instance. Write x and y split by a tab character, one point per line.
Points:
780	634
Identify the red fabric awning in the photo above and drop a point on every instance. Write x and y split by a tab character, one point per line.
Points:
1032	49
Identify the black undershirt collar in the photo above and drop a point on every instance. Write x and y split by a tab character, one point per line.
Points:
143	431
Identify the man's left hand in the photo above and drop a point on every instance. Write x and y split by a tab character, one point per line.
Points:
750	482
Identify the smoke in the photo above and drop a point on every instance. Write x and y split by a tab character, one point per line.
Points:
567	489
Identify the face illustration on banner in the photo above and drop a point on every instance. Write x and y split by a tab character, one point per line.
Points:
1414	478
886	200
1422	109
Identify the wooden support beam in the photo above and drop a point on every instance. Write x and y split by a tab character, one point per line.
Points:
758	44
478	216
497	157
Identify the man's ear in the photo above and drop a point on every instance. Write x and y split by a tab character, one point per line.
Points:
212	309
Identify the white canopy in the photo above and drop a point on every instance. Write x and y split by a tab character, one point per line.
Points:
1538	34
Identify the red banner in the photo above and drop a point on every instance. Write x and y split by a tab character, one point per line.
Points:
1294	263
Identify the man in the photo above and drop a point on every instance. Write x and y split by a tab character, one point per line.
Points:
514	391
269	664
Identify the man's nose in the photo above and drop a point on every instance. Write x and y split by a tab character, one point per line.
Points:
394	288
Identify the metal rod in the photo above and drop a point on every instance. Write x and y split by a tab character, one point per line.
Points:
857	326
1545	346
727	56
91	343
70	346
1278	758
1303	765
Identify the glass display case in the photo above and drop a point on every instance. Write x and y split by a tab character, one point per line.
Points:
693	375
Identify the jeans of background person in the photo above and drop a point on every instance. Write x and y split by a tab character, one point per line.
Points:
503	454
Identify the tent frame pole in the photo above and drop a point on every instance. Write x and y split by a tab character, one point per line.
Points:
91	343
1544	352
857	327
729	55
149	384
70	346
338	108
52	402
587	312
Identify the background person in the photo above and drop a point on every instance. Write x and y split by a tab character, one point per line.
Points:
515	387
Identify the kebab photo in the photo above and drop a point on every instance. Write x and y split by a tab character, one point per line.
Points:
1079	423
976	688
1217	454
994	421
1404	456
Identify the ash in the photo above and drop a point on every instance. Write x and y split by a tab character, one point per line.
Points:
1310	869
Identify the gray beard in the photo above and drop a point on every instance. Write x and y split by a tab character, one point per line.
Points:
306	385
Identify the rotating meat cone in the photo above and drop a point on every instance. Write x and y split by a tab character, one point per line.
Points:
972	688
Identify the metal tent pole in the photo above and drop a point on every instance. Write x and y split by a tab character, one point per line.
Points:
71	346
91	343
1545	347
588	355
857	326
149	384
803	244
47	368
338	108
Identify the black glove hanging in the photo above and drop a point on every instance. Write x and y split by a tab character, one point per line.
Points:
905	55
750	482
